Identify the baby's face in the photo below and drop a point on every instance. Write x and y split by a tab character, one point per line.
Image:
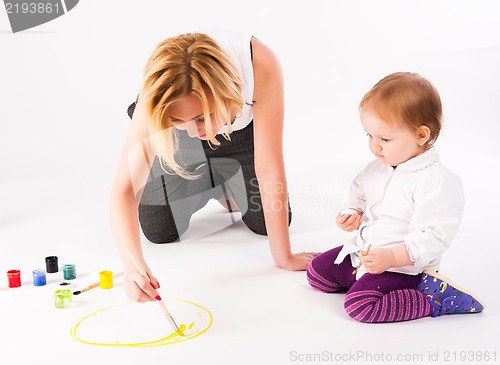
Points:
390	142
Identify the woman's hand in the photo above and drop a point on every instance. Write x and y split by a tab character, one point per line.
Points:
298	261
349	222
139	288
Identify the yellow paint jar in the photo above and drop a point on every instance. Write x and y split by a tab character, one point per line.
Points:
106	279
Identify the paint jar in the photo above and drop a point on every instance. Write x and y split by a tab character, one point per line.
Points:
14	277
51	264
63	298
69	272
106	279
39	278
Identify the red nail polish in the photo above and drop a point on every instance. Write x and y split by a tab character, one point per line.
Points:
158	297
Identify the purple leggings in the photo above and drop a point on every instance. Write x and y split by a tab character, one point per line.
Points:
386	297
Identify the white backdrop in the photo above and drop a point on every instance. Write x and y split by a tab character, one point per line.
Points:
65	87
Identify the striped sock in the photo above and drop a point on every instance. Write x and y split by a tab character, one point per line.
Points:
400	305
318	282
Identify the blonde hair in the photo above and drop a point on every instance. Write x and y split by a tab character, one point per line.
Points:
188	64
407	99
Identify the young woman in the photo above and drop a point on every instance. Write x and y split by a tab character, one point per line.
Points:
208	123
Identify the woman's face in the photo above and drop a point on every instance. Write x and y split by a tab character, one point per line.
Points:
187	114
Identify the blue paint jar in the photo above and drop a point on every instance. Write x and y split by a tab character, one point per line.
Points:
39	278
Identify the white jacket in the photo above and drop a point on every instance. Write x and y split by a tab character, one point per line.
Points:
418	204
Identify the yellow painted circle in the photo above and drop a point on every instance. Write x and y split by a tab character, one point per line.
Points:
142	325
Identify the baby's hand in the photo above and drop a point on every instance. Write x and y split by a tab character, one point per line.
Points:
349	219
378	260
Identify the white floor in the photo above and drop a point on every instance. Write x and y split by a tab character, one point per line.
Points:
261	314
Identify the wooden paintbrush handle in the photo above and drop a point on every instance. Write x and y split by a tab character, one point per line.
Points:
364	253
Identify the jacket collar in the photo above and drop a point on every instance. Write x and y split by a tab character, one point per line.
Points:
419	162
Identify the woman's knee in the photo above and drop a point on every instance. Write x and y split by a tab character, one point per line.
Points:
257	228
159	234
254	219
159	237
155	225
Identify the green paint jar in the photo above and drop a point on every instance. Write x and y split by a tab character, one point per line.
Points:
63	298
69	272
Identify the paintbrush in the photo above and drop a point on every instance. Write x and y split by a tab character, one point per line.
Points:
364	253
95	285
160	302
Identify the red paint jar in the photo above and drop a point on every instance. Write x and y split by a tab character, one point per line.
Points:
14	277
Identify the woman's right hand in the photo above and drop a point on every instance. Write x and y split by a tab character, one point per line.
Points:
139	288
298	261
349	222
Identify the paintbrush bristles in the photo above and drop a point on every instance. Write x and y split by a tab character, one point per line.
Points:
85	289
168	315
